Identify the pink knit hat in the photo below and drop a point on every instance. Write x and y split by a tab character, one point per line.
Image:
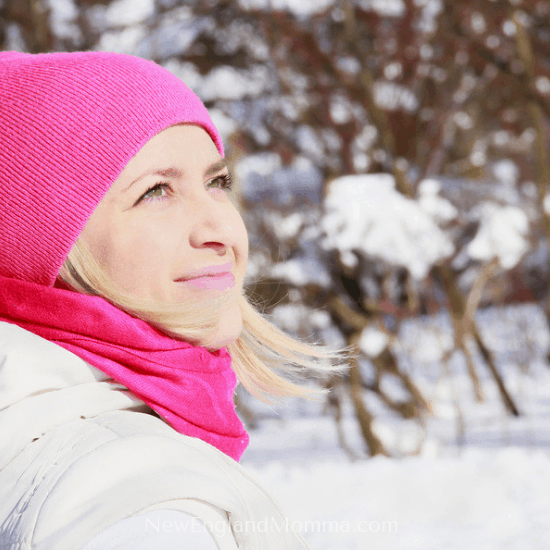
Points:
69	123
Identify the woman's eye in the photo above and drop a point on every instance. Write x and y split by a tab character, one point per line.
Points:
224	181
160	190
159	187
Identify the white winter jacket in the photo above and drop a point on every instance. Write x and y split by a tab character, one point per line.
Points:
79	453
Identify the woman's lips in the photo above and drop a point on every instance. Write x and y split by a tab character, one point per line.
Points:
221	281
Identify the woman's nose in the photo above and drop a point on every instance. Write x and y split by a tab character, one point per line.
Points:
212	226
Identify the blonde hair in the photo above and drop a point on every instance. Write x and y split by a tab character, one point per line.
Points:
257	354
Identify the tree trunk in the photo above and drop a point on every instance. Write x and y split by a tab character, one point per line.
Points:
364	417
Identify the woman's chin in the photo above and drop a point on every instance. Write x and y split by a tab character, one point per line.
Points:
229	329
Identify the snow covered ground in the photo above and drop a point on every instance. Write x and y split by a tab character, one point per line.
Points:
485	489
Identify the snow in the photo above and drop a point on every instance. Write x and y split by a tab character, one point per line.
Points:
293	317
478	501
300	273
243	83
300	8
262	164
185	71
177	32
542	84
387	8
124	41
478	23
285	227
391	96
430	11
366	138
240	34
506	171
485	491
309	142
62	18
348	64
492	41
223	123
214	85
304	267
438	208
509	28
366	213
393	70
361	162
502	234
263	176
340	111
463	120
129	12
373	341
14	38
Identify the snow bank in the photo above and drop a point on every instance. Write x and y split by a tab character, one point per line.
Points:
481	500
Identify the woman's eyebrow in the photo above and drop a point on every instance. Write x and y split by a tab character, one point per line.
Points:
174	173
216	167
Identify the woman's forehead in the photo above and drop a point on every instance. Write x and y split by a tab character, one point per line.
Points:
173	149
191	137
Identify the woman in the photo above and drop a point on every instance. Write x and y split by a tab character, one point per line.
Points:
123	318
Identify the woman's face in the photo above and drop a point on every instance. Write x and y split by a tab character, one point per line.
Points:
167	217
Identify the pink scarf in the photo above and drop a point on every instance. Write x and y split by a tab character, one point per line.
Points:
189	386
